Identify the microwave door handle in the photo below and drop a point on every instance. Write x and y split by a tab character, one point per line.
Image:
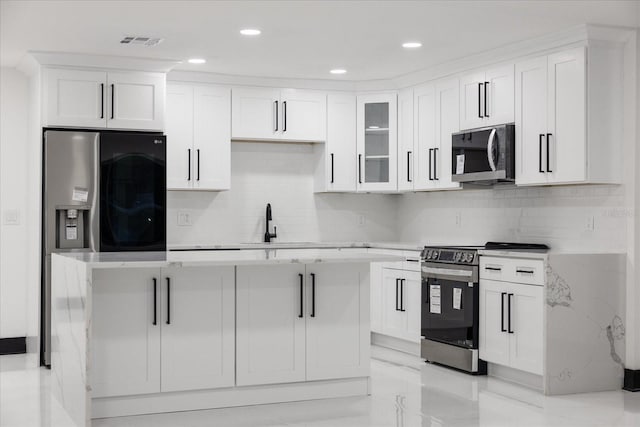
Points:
490	143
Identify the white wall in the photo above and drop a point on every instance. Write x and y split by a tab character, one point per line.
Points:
13	199
280	174
557	216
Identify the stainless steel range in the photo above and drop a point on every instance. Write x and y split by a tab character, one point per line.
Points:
450	305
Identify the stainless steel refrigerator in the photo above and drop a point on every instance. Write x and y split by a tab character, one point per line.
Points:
102	191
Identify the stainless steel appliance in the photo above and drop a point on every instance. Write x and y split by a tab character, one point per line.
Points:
450	306
484	156
102	191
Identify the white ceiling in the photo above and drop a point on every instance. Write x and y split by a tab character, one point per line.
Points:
300	39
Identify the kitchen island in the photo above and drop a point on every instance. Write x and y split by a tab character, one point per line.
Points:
149	332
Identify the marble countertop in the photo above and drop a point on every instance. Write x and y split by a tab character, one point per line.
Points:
402	246
100	260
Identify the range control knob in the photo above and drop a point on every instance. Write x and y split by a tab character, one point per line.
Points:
435	254
458	257
469	257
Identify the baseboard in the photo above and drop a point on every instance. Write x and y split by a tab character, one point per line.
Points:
515	376
631	380
107	407
394	343
16	345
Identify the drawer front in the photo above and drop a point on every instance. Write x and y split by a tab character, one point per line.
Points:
412	262
516	270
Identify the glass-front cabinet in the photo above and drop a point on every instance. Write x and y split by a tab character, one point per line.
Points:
377	142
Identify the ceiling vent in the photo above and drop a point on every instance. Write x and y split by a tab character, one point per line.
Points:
145	41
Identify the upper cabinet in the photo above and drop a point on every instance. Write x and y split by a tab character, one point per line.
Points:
98	99
406	152
336	159
377	117
198	137
487	97
569	117
278	114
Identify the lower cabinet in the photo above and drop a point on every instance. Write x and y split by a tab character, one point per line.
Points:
401	290
162	330
511	324
301	323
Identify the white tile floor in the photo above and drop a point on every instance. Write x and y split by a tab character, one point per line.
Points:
405	393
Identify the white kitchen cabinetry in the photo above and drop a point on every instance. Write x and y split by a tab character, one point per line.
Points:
162	330
197	328
406	152
512	313
278	114
377	148
336	165
425	136
487	97
198	137
125	332
98	99
286	317
401	304
566	106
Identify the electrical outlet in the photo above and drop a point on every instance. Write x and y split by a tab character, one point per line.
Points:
361	220
11	217
185	219
458	219
591	223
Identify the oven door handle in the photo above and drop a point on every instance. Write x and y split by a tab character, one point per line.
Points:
447	273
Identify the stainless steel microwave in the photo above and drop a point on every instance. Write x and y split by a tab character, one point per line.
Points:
484	156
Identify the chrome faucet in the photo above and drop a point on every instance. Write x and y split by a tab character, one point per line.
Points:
267	235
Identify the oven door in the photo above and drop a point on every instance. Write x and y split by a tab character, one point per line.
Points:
450	310
482	155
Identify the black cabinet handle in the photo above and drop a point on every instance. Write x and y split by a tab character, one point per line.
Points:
284	116
548	153
198	161
332	168
168	301
408	166
301	276
480	100
524	271
313	295
189	164
540	153
397	282
502	328
360	168
485	98
493	268
402	295
430	163
435	164
102	100
509	313
155	301
277	119
113	97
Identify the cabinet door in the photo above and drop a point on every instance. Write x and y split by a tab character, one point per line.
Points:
447	122
566	140
493	336
255	113
377	142
75	98
197	328
500	95
136	101
341	143
337	321
303	115
212	138
406	153
531	121
394	320
376	296
472	100
270	331
411	302
425	136
179	136
526	341
125	342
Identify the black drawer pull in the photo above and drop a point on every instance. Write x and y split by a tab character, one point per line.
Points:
524	271
493	268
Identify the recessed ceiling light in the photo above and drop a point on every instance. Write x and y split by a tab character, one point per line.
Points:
411	45
197	61
338	71
250	32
